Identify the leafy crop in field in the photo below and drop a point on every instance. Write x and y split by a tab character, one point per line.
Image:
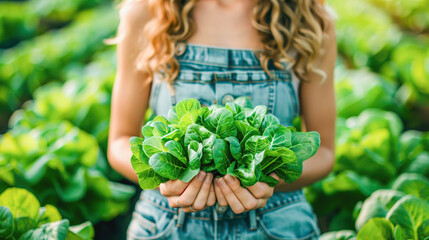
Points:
22	20
236	139
14	25
22	218
64	167
367	150
400	213
83	100
371	154
365	33
410	14
368	144
31	64
409	64
414	152
357	90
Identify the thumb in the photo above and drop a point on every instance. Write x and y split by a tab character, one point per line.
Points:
274	175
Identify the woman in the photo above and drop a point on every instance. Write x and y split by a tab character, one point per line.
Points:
280	53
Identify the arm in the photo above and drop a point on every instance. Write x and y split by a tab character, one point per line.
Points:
130	94
319	114
129	103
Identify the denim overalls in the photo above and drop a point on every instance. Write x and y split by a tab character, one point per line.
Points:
218	75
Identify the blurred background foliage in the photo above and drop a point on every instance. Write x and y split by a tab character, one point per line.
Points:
56	78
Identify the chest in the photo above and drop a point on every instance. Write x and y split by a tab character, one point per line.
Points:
227	26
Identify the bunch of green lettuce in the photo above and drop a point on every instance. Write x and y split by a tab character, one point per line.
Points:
236	139
22	217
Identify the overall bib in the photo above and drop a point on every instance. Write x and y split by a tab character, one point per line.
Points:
219	75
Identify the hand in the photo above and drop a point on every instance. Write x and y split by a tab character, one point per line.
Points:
229	192
193	196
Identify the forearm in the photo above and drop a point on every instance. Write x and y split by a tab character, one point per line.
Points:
314	169
119	155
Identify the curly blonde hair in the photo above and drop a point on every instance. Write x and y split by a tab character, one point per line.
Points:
281	24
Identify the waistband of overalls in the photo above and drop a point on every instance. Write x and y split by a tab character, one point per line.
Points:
217	213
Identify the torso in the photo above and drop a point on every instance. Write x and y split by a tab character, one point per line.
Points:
223	37
225	24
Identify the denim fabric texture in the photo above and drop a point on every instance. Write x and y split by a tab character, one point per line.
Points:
218	75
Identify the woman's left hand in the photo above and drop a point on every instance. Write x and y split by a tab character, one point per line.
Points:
229	192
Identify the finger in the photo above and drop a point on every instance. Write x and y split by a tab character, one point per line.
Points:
172	188
203	195
232	200
188	196
274	175
221	200
211	201
261	190
172	201
261	203
246	198
189	209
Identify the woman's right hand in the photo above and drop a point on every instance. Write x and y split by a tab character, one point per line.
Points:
196	195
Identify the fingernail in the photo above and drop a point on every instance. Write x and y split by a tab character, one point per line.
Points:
221	182
201	175
229	179
209	178
217	181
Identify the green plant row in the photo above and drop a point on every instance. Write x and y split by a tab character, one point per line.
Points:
360	89
411	15
83	100
399	213
44	152
23	20
409	64
371	151
368	37
16	26
45	58
365	34
63	166
63	10
22	218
